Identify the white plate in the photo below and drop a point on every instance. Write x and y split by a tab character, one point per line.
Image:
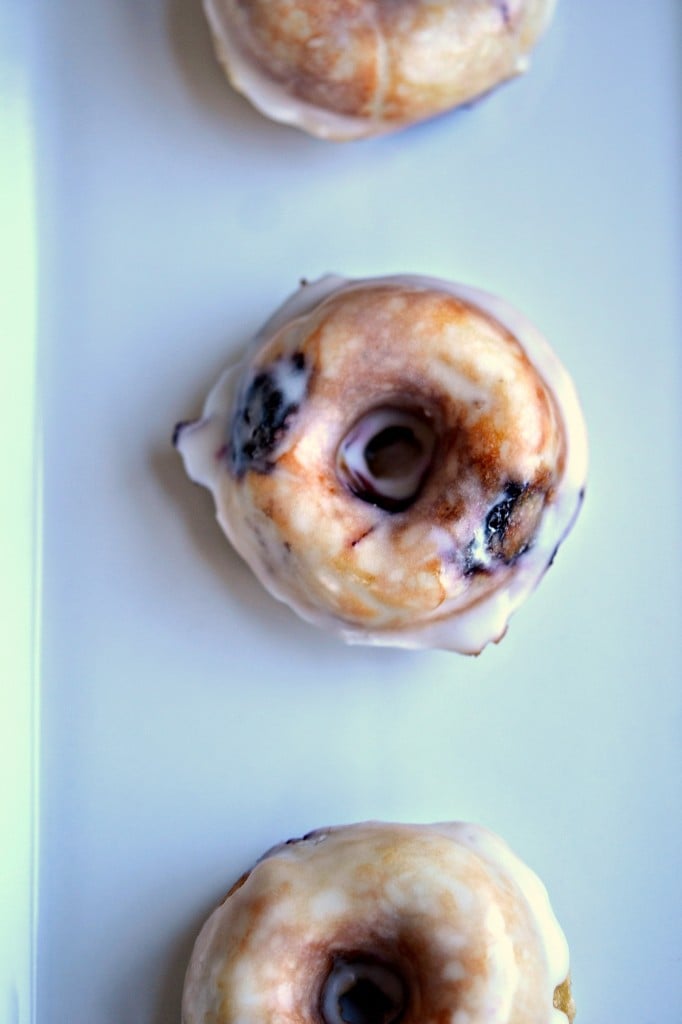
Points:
187	721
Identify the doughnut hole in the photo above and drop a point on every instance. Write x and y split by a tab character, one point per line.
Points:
398	973
359	990
385	457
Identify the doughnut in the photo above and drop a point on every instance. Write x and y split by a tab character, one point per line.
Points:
347	69
396	458
378	924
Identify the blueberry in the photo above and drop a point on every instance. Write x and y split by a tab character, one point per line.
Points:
498	518
263	413
490	547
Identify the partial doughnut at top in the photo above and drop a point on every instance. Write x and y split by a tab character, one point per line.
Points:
397	458
344	69
383	924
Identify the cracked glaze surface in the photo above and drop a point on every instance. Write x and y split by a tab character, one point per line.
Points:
461	929
346	69
502	486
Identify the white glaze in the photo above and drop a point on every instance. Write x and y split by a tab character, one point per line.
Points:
459	623
453	892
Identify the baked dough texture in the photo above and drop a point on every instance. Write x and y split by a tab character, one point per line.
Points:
344	69
396	458
378	924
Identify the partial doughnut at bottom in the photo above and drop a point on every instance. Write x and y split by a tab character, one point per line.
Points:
380	924
396	458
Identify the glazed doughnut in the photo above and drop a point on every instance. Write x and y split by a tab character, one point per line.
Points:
344	69
378	923
396	458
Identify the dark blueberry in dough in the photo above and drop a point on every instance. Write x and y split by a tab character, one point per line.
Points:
508	529
177	430
498	519
261	418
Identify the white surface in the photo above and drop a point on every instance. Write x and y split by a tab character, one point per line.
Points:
19	547
188	721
